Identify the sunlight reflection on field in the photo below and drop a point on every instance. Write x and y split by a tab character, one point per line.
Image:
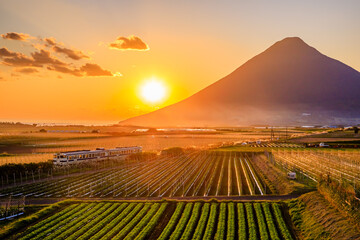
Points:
42	150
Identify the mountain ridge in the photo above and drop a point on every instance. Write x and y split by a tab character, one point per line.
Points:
274	87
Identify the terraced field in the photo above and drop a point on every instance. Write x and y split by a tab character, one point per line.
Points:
162	220
202	173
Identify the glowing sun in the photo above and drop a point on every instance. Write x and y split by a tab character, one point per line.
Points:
153	90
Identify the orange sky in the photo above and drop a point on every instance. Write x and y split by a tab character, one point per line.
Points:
185	44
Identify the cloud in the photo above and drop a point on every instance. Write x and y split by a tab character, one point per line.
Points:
88	70
16	36
44	57
70	53
37	59
27	70
94	70
16	59
20	61
129	43
6	53
15	75
65	69
50	41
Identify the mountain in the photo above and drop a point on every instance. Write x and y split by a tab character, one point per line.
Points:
290	83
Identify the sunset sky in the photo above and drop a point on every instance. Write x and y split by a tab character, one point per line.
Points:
90	61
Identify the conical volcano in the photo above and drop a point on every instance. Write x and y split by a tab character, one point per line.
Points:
290	83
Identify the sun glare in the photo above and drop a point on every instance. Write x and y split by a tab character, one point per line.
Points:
153	90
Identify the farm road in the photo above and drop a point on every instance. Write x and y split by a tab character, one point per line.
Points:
41	201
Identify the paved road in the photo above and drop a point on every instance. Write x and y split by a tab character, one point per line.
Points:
40	201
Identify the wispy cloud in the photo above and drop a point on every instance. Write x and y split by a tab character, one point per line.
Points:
46	56
88	70
70	53
66	70
59	48
27	70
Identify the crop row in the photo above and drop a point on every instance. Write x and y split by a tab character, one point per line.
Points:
99	221
195	174
220	221
137	220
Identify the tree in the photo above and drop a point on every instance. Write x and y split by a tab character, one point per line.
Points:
356	130
174	151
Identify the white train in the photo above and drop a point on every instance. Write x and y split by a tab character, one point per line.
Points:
65	158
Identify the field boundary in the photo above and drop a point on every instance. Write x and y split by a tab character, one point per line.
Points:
42	201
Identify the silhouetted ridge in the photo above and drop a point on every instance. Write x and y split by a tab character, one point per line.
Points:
289	83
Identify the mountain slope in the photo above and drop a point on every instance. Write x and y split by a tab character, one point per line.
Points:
289	83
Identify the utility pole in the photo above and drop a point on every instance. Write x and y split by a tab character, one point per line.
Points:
272	135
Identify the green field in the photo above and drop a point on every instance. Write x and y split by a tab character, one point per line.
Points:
158	220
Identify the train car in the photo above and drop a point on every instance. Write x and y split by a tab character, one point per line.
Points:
65	158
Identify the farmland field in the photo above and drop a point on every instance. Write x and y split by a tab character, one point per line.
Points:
25	144
200	173
338	165
42	149
162	220
222	191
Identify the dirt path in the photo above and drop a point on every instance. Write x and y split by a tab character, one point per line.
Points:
40	201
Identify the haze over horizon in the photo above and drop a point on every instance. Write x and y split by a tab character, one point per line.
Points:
71	62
